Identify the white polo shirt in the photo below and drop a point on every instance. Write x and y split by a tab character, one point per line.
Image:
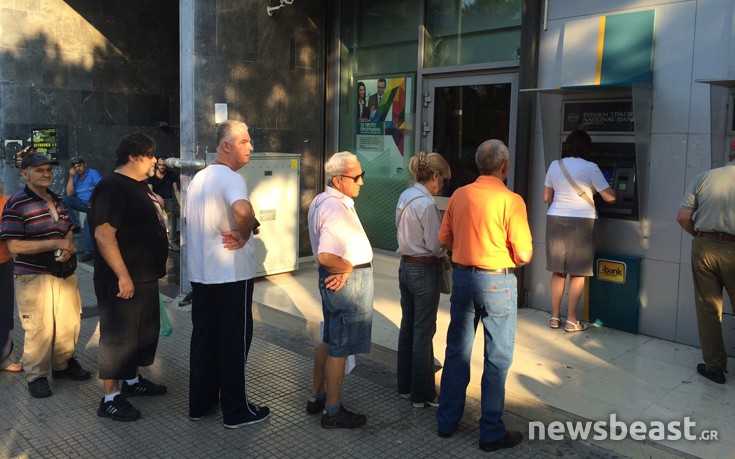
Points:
335	228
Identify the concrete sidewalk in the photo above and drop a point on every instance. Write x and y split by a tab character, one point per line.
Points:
279	376
555	376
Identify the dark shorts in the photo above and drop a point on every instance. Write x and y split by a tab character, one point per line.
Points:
348	313
128	329
570	245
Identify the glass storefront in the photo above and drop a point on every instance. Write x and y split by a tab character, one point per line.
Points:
379	110
462	32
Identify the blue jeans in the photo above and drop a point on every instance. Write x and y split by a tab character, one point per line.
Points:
490	298
419	286
74	203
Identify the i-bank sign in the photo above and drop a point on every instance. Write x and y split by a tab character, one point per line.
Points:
611	271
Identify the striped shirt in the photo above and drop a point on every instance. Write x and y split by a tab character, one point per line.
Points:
27	216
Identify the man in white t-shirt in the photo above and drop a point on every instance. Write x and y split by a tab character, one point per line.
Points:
220	225
344	254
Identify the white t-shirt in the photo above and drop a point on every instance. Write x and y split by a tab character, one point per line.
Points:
588	177
335	228
209	198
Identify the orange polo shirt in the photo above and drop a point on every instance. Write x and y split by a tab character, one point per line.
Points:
485	223
4	252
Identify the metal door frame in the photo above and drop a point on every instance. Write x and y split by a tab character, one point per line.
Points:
431	83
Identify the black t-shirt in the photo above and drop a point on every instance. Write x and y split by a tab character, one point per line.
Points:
129	207
164	187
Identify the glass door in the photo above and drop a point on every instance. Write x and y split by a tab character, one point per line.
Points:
462	112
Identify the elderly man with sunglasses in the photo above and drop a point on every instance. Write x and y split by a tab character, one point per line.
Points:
79	187
342	250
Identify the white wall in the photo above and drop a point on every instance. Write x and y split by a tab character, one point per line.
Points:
693	40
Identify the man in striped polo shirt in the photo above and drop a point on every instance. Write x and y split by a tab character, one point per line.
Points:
37	229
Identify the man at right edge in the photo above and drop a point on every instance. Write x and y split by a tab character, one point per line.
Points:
707	212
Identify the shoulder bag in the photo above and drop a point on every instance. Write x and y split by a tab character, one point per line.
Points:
580	192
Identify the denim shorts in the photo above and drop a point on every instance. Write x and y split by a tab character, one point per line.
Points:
348	313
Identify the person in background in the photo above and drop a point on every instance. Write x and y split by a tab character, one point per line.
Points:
220	227
7	297
342	250
486	227
419	277
707	212
37	229
131	245
570	224
165	185
79	187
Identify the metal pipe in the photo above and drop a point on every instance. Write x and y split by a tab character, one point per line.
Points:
186	163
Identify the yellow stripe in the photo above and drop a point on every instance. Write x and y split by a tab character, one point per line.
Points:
586	314
600	43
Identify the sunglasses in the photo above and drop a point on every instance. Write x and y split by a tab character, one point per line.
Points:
355	178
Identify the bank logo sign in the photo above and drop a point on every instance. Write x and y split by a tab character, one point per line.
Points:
611	271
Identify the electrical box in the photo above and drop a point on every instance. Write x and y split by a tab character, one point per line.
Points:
273	185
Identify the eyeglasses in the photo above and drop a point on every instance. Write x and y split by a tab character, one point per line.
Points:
355	178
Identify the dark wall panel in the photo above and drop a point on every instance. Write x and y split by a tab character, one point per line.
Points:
94	71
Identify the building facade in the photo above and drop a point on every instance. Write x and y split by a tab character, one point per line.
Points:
652	80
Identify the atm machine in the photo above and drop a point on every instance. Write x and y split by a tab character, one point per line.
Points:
610	124
617	163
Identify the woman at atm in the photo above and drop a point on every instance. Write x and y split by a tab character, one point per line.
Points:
570	184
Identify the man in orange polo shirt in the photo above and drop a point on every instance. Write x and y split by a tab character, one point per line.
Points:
486	228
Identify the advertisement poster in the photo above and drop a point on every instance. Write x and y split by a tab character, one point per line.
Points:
384	118
44	140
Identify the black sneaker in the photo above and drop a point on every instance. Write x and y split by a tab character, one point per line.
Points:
510	440
187	300
39	388
254	415
73	371
316	406
85	257
714	376
119	409
343	420
142	387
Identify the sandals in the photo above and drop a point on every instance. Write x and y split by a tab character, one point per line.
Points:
13	368
577	326
556	325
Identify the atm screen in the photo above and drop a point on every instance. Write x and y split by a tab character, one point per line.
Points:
608	172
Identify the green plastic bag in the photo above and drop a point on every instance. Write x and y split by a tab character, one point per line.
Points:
166	328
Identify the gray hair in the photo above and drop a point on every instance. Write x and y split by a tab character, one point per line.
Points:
490	156
337	164
226	130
